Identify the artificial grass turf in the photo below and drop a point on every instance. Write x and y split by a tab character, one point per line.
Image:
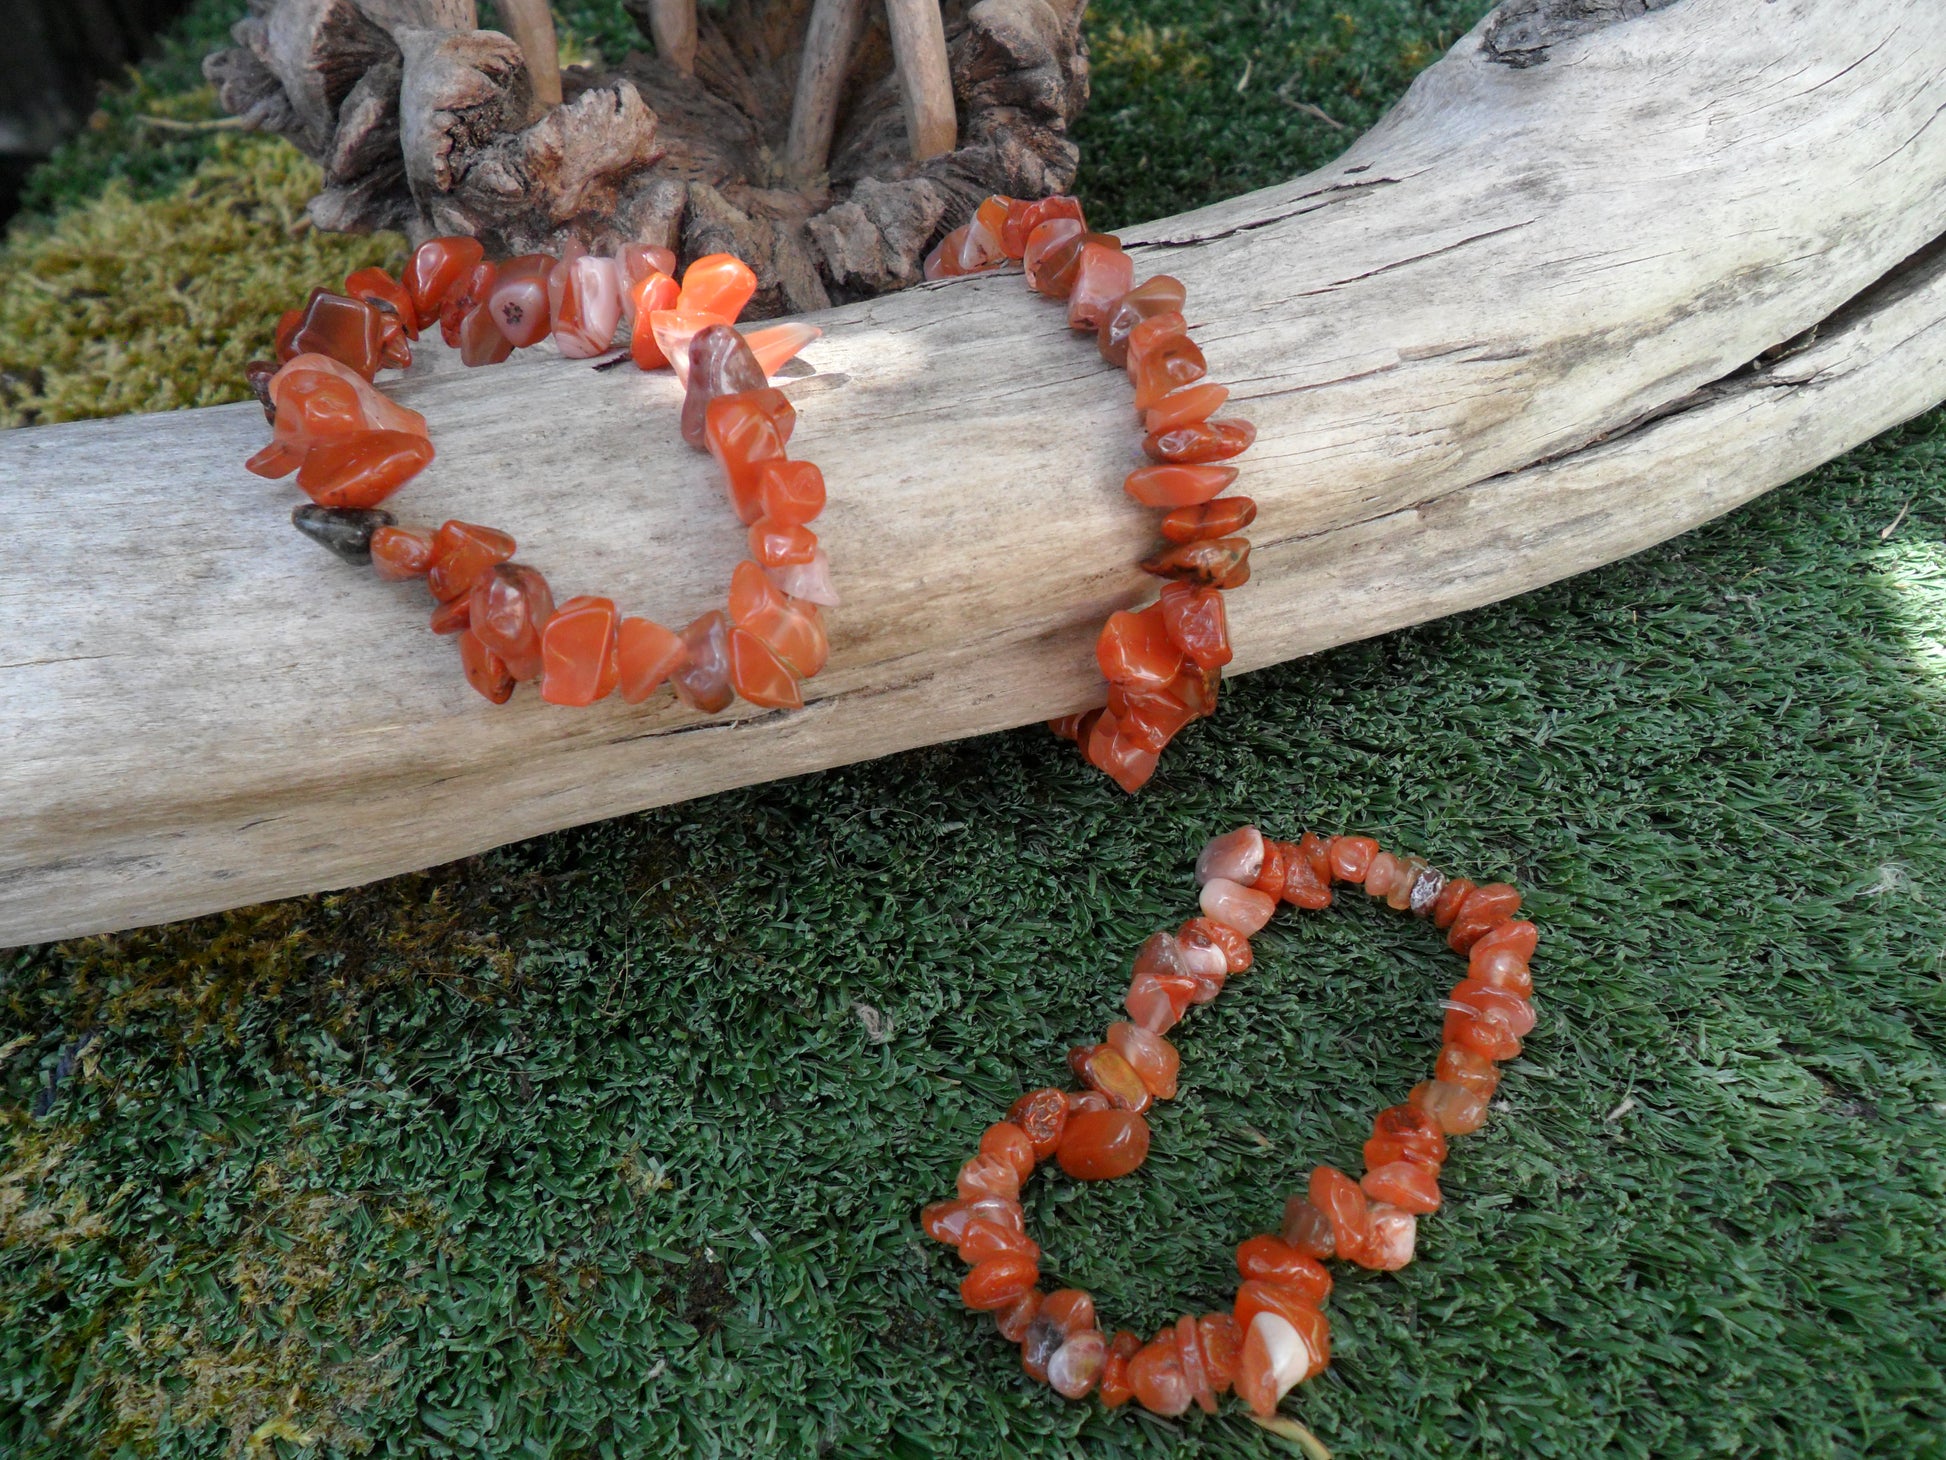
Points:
612	1142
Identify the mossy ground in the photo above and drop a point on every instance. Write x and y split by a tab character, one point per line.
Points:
610	1143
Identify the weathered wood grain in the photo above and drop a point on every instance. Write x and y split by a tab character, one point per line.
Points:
1541	317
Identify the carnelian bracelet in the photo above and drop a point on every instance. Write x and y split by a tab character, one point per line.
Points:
1163	662
352	448
1275	1335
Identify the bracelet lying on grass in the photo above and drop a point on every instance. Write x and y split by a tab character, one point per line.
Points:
1275	1335
352	448
1163	662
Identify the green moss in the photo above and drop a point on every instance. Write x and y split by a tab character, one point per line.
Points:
124	304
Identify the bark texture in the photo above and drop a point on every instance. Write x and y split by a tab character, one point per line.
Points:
426	124
1485	349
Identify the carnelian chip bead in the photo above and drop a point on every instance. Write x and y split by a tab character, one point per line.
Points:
1308	1229
1216	562
581	652
1135	648
399	553
1237	856
1023	217
1178	486
790	491
1458	1110
1405	1133
1153	1058
584	303
481	341
461	553
1009	1142
793	631
1113	1387
452	617
703	680
469	293
375	286
1404	1184
1100	1145
760	676
1051	245
1446	909
1275	1359
1395	1234
646	655
1043	1116
1102	1067
997	1282
1156	1377
1484	910
1521	938
362	470
777	544
1013	1320
1351	857
1083	1102
1339	1198
988	1175
517	302
1468	1069
436	265
1103	274
511	604
1162	359
1237	954
1189	1355
1185	407
1147	715
1077	1365
485	670
1201	441
719	284
1198	625
648	296
720	363
1159	295
1240	907
350	331
1501	968
1272	1260
980	1239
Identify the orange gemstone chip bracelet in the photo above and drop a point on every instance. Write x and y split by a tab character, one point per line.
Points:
1163	662
1275	1335
352	448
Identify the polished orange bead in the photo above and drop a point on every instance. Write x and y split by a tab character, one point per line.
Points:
789	491
485	670
1277	1355
998	1282
1197	624
1135	648
1078	1364
1013	1320
1238	906
760	676
719	284
517	302
1258	1295
362	470
1083	1102
1102	1067
649	295
1147	716
1185	407
511	604
703	680
470	293
1308	1229
316	399
1382	878
452	617
1129	759
1273	1260
1043	1116
1009	1142
1468	1069
350	331
1405	1133
1481	1025
584	303
1222	1344
581	652
1023	217
1162	359
639	260
744	432
981	1239
1458	1110
1160	295
1099	1145
461	553
1103	274
1052	255
1189	1355
1270	881
1237	954
1156	1378
646	655
945	259
946	1221
988	1175
779	544
480	339
1351	857
1177	486
1484	910
399	553
1339	1198
1201	441
378	287
1446	907
1113	1389
1070	1310
1395	1232
792	630
1153	1058
1501	968
1519	938
1406	1185
1217	562
436	265
1156	1001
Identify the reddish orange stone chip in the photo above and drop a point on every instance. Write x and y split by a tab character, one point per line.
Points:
580	652
1100	1145
647	654
362	470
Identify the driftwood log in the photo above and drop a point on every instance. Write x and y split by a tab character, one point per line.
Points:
1606	272
825	142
